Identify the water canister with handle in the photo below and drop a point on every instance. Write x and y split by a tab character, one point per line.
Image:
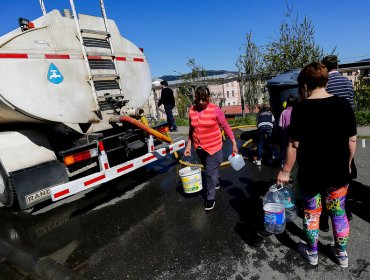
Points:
236	161
289	202
191	179
273	207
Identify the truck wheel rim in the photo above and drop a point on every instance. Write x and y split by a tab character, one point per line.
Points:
2	185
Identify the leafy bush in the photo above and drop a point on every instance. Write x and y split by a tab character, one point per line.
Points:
249	119
362	96
362	118
182	121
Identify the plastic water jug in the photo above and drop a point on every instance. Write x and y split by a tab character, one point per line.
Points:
236	161
289	202
273	207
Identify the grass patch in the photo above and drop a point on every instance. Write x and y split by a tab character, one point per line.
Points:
362	118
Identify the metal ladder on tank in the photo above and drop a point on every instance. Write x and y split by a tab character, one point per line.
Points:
98	82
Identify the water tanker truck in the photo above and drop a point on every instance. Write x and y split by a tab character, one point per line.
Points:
70	89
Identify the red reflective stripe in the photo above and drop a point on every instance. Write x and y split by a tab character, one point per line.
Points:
92	181
164	152
121	58
61	193
13	55
152	148
94	57
125	167
57	56
106	165
148	158
181	145
101	146
171	149
138	59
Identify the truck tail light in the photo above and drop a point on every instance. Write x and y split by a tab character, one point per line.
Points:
80	156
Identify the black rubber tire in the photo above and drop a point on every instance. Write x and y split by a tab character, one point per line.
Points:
8	197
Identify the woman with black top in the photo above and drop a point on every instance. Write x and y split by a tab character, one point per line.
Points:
323	140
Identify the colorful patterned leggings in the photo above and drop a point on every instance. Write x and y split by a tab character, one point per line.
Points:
335	202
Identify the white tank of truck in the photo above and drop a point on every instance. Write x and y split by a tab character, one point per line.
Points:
44	78
71	88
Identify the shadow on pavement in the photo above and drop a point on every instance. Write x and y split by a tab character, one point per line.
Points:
248	205
359	200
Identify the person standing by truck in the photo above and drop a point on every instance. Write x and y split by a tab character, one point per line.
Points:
168	101
205	120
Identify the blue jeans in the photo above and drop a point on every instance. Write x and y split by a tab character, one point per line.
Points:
170	119
262	135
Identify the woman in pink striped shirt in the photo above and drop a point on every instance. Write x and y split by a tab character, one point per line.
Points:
205	120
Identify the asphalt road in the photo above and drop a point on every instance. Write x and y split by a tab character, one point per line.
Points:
143	226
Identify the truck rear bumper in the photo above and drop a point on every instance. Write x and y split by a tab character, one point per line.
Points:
109	173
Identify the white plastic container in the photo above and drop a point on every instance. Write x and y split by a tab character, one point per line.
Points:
191	179
236	161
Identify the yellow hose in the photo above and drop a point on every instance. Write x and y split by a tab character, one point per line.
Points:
223	136
243	126
167	138
247	143
146	128
144	120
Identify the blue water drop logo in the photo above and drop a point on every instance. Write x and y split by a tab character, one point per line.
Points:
54	75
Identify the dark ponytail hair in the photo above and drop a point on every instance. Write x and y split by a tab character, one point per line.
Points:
202	92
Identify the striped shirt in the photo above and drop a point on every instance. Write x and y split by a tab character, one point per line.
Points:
265	119
204	129
340	86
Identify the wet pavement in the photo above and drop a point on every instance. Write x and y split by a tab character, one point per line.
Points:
143	226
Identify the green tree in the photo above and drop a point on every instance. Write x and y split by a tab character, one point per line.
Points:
185	92
295	46
362	95
250	63
183	101
196	77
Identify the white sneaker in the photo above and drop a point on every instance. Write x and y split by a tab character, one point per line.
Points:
340	256
257	162
312	258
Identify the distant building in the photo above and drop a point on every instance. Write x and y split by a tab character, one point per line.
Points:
356	69
226	88
225	92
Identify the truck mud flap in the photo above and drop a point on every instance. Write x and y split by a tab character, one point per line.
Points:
32	185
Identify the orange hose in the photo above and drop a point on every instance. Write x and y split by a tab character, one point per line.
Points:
146	128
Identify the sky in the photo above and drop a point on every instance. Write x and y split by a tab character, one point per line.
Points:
212	31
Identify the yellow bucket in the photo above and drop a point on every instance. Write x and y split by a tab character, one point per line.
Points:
191	179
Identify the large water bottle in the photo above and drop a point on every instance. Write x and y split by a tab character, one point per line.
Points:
236	161
289	202
273	206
